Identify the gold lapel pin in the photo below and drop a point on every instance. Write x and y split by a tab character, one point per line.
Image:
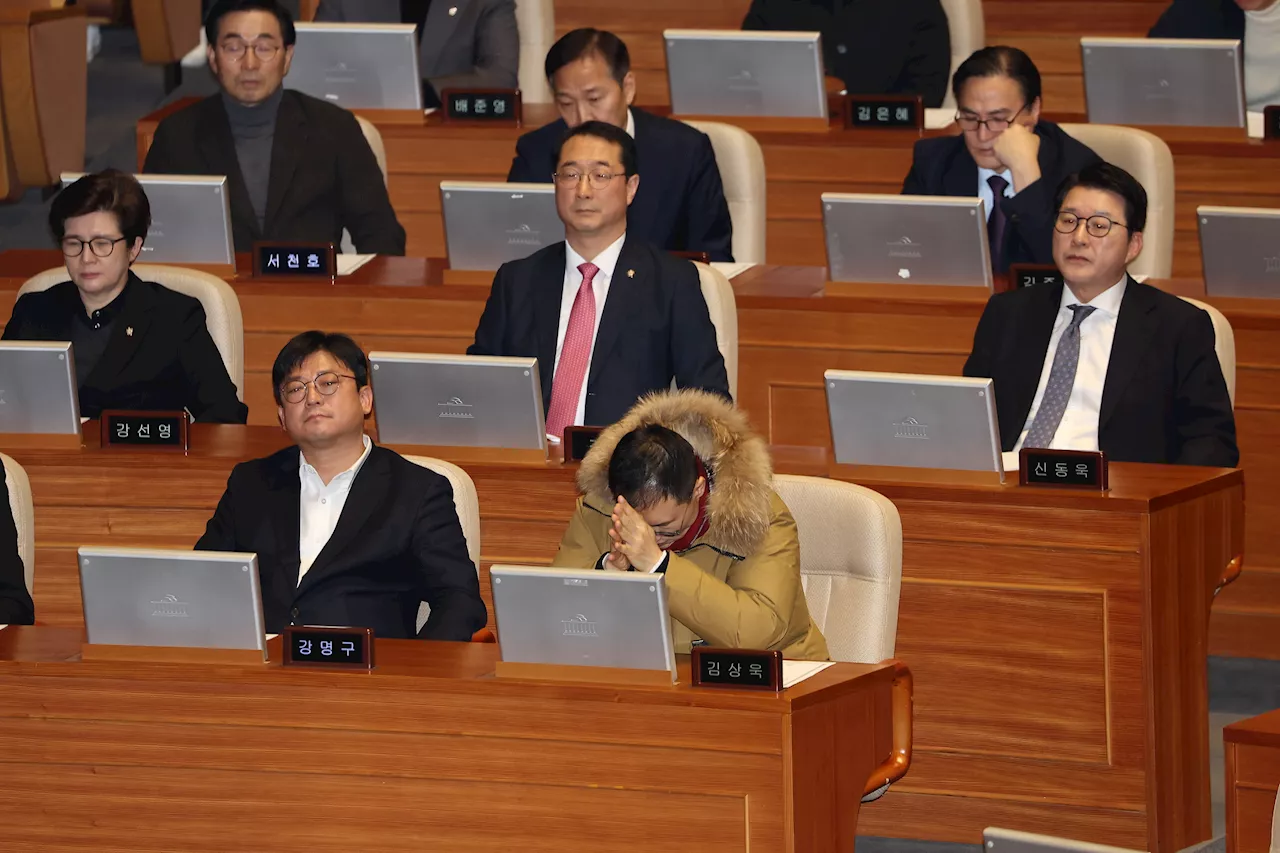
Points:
631	273
129	331
453	10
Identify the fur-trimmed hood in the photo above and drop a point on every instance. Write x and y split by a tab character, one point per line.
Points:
737	462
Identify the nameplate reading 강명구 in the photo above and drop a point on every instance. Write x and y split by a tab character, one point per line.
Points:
335	648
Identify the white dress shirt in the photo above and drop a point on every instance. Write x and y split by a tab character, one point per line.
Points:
320	506
984	188
1262	58
1078	429
631	124
606	261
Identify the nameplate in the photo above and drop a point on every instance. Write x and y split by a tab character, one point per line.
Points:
335	648
744	668
159	430
290	260
578	440
1271	122
481	106
1033	275
1076	469
883	112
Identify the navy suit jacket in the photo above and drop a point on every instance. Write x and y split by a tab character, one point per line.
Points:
16	607
1200	19
680	204
655	327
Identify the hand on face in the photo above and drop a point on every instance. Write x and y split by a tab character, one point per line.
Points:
633	538
1018	150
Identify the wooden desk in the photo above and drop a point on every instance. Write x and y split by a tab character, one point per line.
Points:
429	751
1253	778
1057	638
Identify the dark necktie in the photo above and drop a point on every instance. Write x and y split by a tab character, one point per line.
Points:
1062	378
996	222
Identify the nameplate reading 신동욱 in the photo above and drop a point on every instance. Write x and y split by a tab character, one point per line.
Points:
1080	469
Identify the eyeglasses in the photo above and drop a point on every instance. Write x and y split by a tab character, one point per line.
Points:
598	179
968	121
1097	225
235	50
73	247
326	385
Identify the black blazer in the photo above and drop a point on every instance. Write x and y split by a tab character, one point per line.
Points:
876	48
1200	19
655	327
942	165
1164	399
16	607
398	543
324	176
160	355
680	204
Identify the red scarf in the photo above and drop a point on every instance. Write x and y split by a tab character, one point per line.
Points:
700	523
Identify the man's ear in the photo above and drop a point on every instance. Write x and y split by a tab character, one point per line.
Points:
699	488
1135	247
366	400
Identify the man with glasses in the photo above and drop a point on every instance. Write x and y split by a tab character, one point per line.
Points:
1006	155
609	317
346	532
298	169
1103	362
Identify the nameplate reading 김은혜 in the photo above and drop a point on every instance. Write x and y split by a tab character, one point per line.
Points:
481	106
752	669
294	260
1078	469
883	112
335	648
159	430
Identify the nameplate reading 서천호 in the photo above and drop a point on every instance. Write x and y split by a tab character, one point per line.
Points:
1033	275
883	112
1271	122
481	106
578	440
295	260
159	430
334	648
1079	469
745	668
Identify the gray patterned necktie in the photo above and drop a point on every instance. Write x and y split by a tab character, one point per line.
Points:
1062	376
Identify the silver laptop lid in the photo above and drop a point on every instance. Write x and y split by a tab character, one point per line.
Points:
906	239
1137	81
38	388
1240	251
487	224
190	219
736	73
583	618
913	421
153	597
458	400
1011	841
358	66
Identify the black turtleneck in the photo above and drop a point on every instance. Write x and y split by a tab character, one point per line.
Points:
91	332
254	130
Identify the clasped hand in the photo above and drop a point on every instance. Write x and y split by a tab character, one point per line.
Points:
632	541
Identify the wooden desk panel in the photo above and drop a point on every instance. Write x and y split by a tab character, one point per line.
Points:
1253	778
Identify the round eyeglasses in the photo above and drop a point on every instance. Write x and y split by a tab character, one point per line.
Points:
236	50
969	121
598	179
1096	225
73	247
295	390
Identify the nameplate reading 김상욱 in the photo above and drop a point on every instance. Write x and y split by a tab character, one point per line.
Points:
487	106
1033	275
746	668
883	112
335	648
295	260
1079	469
160	430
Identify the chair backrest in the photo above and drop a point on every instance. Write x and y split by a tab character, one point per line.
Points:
467	504
1145	156
968	34
374	138
1275	826
741	165
1224	344
221	306
850	563
21	505
723	309
536	21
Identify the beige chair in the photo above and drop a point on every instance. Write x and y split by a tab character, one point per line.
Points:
221	307
741	165
20	504
968	34
722	307
1224	344
467	504
1145	156
1275	826
374	138
536	21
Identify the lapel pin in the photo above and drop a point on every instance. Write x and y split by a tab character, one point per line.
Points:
129	331
631	273
453	10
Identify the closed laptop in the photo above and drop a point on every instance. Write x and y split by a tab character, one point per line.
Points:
487	224
736	73
1240	251
38	388
1140	81
358	66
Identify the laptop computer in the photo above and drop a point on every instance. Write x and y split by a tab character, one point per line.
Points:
1240	251
1011	841
358	66
906	239
583	618
153	597
1139	81
190	219
736	73
913	421
487	224
458	400
38	388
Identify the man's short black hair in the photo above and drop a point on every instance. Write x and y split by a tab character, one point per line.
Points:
1105	176
338	345
609	133
999	61
576	44
223	8
651	463
109	191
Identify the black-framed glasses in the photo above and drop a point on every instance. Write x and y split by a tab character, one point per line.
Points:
236	50
598	178
1096	225
73	247
968	121
295	390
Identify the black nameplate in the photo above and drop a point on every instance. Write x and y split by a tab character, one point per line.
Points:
161	430
341	648
578	440
884	112
487	106
1078	469
745	668
1271	122
1033	275
295	260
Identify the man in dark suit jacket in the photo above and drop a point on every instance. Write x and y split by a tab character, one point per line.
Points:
298	169
346	533
1204	19
16	607
681	205
653	325
1105	363
1004	145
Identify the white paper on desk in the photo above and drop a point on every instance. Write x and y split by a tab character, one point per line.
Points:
796	671
272	636
1010	461
729	270
429	110
347	264
1253	124
936	118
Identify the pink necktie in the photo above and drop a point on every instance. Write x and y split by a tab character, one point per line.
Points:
575	355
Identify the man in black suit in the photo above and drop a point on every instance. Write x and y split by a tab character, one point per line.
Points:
1256	23
298	169
681	206
1104	363
609	317
1005	151
16	607
346	532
